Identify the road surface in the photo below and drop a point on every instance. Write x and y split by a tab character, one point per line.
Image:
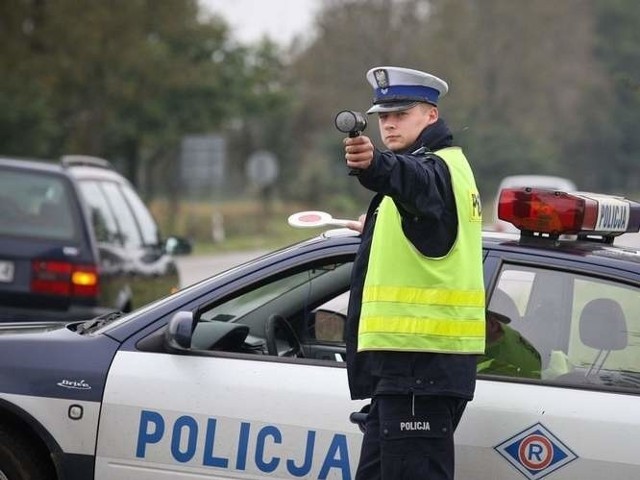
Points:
194	268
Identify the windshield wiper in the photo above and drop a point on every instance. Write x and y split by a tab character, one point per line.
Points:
95	323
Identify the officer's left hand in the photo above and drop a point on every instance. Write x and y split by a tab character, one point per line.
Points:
357	225
358	152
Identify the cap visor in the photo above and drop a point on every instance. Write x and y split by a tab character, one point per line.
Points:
498	316
391	107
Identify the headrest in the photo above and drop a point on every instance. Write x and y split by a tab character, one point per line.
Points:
603	325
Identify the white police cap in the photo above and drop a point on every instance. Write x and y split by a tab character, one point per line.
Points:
398	88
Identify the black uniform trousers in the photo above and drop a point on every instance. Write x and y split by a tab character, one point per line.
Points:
410	437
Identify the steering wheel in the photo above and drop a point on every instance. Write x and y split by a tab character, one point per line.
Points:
278	323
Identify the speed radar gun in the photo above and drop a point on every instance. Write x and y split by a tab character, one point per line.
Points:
353	124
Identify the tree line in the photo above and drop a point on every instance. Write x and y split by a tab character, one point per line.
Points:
535	87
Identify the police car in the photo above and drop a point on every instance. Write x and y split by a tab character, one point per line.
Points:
242	375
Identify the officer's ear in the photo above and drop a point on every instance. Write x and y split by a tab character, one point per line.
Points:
431	112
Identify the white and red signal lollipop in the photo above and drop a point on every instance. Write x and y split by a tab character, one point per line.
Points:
314	218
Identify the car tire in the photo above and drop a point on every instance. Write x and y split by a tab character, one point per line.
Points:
18	460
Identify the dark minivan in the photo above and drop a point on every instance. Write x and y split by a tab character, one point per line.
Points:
76	241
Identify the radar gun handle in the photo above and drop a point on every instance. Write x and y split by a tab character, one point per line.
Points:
353	124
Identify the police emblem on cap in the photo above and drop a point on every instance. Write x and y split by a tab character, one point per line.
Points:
382	78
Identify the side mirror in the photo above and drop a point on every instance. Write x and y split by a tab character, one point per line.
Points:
329	326
178	246
177	336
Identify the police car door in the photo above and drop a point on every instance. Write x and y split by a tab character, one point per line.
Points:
229	415
571	416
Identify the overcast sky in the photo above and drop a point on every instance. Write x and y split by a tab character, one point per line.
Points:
250	20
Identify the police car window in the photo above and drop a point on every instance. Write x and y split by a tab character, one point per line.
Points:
294	297
605	335
267	292
517	283
564	328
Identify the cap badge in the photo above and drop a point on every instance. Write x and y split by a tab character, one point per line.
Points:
382	79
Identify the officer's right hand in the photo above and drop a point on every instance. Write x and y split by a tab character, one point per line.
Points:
358	151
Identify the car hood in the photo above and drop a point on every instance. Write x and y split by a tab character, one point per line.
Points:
52	360
10	328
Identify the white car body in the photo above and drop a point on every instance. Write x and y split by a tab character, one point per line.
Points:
242	423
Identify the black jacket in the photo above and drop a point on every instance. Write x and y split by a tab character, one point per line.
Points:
420	185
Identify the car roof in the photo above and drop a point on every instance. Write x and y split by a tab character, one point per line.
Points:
598	252
32	164
80	167
86	172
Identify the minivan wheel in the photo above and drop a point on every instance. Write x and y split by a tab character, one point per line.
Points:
18	460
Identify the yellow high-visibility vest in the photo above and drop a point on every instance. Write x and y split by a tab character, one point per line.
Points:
422	304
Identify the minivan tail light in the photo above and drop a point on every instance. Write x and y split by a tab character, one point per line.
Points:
64	279
84	281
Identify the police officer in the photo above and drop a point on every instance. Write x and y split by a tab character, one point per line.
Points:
508	352
416	311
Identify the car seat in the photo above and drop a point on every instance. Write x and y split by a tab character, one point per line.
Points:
603	327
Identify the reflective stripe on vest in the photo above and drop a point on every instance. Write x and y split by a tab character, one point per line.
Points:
415	303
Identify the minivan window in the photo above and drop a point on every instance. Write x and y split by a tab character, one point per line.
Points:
124	216
36	205
102	217
147	224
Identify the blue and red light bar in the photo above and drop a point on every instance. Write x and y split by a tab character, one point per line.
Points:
560	213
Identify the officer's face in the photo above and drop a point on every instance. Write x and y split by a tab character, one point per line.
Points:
493	330
400	130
